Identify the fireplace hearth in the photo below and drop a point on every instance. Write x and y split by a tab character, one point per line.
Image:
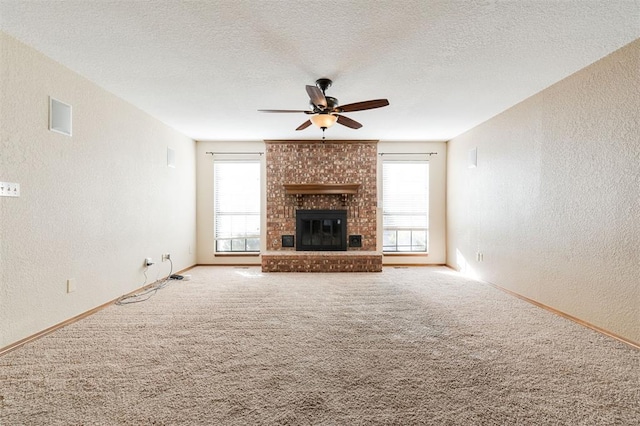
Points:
321	230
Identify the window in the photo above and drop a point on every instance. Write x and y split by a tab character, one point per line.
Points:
405	206
237	205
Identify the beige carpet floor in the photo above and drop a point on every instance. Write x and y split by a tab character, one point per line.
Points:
406	346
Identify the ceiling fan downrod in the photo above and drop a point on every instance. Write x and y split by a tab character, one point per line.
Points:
323	84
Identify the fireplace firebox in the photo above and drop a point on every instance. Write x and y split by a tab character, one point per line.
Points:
322	230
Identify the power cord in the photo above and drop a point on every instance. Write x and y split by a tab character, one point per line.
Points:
148	293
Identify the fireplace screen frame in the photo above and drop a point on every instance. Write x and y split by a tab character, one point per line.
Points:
319	219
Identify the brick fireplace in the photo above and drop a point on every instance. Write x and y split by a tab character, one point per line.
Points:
321	175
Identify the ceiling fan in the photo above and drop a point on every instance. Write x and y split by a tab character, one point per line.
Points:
325	110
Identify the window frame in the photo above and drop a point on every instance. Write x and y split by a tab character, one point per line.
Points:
412	248
258	215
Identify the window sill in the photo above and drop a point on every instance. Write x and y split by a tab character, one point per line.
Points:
408	253
237	254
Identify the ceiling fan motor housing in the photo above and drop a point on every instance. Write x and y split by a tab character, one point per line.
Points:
332	104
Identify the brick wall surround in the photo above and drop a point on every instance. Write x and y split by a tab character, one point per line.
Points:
306	162
321	162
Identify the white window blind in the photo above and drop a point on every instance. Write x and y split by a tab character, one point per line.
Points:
405	205
237	205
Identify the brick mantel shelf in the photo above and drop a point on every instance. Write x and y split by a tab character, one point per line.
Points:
301	189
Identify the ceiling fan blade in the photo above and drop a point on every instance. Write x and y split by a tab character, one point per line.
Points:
346	121
285	110
317	97
361	106
304	125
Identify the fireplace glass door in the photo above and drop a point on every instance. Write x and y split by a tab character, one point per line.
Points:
321	230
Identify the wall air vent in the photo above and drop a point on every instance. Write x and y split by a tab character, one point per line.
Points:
171	158
59	117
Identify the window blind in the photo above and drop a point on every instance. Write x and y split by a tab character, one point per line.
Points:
237	205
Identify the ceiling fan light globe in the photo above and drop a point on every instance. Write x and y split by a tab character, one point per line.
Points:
324	120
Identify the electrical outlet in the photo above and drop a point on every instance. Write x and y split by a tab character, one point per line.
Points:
71	285
166	256
148	261
479	257
9	189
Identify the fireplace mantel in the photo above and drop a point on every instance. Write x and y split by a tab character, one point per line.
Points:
301	189
321	188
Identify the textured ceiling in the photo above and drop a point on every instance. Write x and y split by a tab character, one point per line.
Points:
206	67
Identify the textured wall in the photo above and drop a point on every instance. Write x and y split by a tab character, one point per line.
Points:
554	204
306	162
93	206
